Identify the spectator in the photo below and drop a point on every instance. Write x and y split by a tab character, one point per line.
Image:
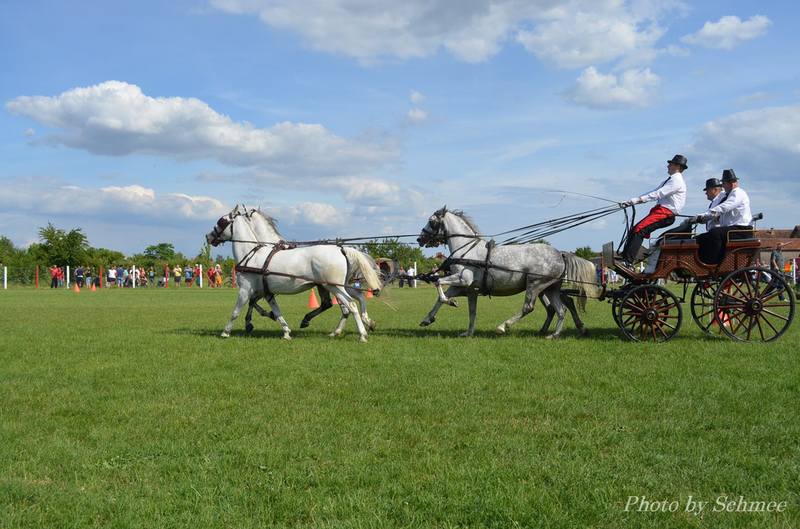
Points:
198	273
111	280
777	264
121	273
151	276
187	275
79	276
53	276
401	274
212	277
218	275
60	276
87	276
177	273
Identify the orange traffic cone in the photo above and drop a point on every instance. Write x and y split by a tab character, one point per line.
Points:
94	288
312	300
76	288
369	293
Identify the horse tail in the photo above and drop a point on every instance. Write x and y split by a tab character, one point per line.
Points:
365	265
583	275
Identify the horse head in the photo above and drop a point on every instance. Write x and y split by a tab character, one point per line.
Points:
434	233
223	229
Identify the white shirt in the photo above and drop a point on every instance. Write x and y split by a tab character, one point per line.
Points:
714	222
671	194
734	210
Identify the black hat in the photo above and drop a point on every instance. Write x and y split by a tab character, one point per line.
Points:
679	159
729	176
712	182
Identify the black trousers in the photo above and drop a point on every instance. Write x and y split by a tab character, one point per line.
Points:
712	243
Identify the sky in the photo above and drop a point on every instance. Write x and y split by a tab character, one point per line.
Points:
143	122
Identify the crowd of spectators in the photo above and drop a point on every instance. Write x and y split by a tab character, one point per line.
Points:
118	276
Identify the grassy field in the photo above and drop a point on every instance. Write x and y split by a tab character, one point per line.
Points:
124	409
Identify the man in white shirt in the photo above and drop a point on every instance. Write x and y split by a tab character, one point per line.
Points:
734	218
715	193
670	197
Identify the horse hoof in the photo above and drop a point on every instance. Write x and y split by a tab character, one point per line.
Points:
425	323
501	329
362	339
552	337
584	332
466	334
304	324
452	302
248	328
372	325
225	334
335	334
287	336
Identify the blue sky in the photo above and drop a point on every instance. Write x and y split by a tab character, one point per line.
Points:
143	122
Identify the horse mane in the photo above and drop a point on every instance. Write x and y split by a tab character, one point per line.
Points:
467	219
271	221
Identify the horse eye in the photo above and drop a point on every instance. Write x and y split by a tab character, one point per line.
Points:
221	221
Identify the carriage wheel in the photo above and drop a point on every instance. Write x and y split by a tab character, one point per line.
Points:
615	304
702	306
650	313
748	305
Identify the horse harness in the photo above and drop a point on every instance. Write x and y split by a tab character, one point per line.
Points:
264	272
487	265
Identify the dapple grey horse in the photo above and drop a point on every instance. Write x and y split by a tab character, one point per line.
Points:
288	271
480	268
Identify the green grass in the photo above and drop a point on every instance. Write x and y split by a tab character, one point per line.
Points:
124	409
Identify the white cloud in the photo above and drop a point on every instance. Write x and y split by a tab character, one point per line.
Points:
570	33
764	142
116	118
314	213
53	197
417	115
578	36
728	32
416	97
631	88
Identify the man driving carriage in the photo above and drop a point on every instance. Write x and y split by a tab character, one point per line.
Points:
670	197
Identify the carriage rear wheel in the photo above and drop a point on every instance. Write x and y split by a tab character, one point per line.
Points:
749	308
650	313
702	306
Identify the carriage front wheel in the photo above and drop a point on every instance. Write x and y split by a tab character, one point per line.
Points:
650	313
754	304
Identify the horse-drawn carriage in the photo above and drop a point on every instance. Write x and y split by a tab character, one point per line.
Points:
737	297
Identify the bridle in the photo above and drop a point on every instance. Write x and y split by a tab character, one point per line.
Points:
225	222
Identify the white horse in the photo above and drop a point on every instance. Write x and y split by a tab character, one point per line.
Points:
479	268
265	230
288	271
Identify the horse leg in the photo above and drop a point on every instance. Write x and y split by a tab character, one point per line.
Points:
276	310
325	304
472	301
531	292
244	297
554	294
550	313
248	318
431	317
362	303
570	304
347	304
461	279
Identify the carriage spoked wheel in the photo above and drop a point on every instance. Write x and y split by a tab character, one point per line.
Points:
650	313
702	305
615	304
749	308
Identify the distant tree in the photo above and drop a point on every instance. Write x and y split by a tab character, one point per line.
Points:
7	249
586	252
162	251
61	247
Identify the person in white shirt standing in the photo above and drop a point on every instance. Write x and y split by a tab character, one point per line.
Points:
733	215
670	197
